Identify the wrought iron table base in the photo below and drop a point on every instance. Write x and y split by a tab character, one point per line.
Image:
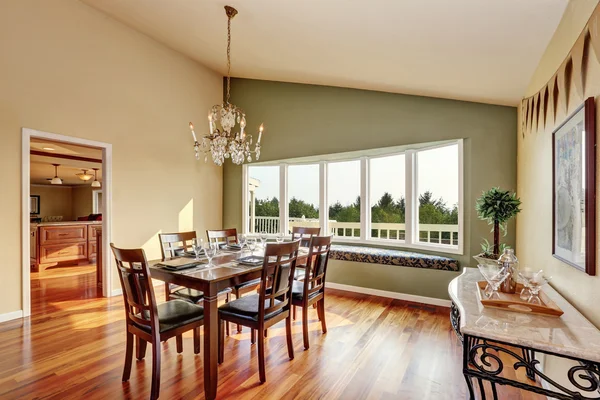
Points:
482	362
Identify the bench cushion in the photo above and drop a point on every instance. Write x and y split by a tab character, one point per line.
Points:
391	257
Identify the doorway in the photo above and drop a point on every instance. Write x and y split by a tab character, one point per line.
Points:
65	182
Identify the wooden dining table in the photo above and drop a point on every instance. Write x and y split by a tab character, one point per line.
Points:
224	272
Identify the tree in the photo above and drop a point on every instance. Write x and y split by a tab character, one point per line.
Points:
497	206
299	209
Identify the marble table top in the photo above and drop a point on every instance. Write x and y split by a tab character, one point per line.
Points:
570	334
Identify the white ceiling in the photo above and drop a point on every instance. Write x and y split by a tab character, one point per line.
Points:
41	169
479	50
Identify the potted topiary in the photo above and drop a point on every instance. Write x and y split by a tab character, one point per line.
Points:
497	207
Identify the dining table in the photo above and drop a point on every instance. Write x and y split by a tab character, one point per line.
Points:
223	272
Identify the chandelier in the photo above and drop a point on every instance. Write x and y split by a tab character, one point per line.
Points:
222	143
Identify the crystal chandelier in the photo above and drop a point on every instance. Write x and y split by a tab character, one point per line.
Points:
222	143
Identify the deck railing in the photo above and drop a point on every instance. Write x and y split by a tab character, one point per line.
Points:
428	233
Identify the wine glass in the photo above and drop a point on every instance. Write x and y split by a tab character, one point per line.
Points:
279	238
197	246
242	240
535	281
251	244
494	275
210	250
263	238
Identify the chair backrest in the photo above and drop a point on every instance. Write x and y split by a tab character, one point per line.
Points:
138	294
316	266
304	234
227	236
277	277
175	244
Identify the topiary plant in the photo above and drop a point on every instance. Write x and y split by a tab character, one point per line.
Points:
497	207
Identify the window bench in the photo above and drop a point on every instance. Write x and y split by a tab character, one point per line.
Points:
376	255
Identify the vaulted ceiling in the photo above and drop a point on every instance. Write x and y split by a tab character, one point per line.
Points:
479	50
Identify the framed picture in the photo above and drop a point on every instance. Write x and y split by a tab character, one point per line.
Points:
34	204
574	189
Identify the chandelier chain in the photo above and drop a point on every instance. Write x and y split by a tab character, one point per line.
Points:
228	57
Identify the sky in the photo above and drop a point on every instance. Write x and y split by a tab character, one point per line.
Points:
437	172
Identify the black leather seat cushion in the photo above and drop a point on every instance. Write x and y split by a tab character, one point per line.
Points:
255	282
175	313
188	294
193	295
298	291
247	308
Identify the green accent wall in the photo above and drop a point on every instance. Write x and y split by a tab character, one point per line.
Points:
305	120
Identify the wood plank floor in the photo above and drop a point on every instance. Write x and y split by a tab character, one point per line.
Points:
376	348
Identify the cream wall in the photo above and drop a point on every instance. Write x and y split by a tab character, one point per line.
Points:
534	171
82	201
68	69
54	200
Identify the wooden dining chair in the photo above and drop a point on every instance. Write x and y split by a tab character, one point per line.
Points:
148	321
312	289
175	245
304	234
271	304
219	236
229	236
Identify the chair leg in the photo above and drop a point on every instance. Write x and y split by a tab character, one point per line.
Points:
305	326
155	391
197	340
140	349
266	334
221	354
321	307
288	333
252	336
179	339
227	298
167	292
294	312
261	355
128	357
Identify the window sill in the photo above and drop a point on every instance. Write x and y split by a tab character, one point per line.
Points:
401	245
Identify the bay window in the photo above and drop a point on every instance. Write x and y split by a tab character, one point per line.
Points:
407	196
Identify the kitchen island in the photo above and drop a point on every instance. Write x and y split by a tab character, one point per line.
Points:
61	242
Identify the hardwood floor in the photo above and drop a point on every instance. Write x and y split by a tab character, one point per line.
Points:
376	348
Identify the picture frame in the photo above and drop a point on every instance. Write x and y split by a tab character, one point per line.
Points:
574	189
34	204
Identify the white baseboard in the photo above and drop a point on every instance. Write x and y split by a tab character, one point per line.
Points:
391	295
11	315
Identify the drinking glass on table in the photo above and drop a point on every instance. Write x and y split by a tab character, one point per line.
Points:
263	238
279	238
251	243
210	250
242	240
197	246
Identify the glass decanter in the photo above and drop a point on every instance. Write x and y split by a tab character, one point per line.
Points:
509	262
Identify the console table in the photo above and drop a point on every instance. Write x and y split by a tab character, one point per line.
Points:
490	336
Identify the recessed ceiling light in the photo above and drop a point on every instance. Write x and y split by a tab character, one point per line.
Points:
49	148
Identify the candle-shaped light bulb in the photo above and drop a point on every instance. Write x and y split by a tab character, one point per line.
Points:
260	131
210	124
193	133
242	125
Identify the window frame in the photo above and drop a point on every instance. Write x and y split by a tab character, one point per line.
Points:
411	240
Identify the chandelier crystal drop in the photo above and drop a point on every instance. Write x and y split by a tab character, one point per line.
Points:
221	142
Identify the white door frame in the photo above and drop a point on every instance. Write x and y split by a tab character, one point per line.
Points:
27	134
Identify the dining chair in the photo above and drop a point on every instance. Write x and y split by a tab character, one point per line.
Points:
304	234
148	321
175	245
268	307
312	290
229	236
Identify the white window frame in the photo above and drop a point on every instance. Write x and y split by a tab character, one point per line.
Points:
411	240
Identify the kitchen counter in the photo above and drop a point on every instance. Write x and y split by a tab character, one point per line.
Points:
65	241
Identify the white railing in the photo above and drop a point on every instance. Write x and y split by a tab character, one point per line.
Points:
428	233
